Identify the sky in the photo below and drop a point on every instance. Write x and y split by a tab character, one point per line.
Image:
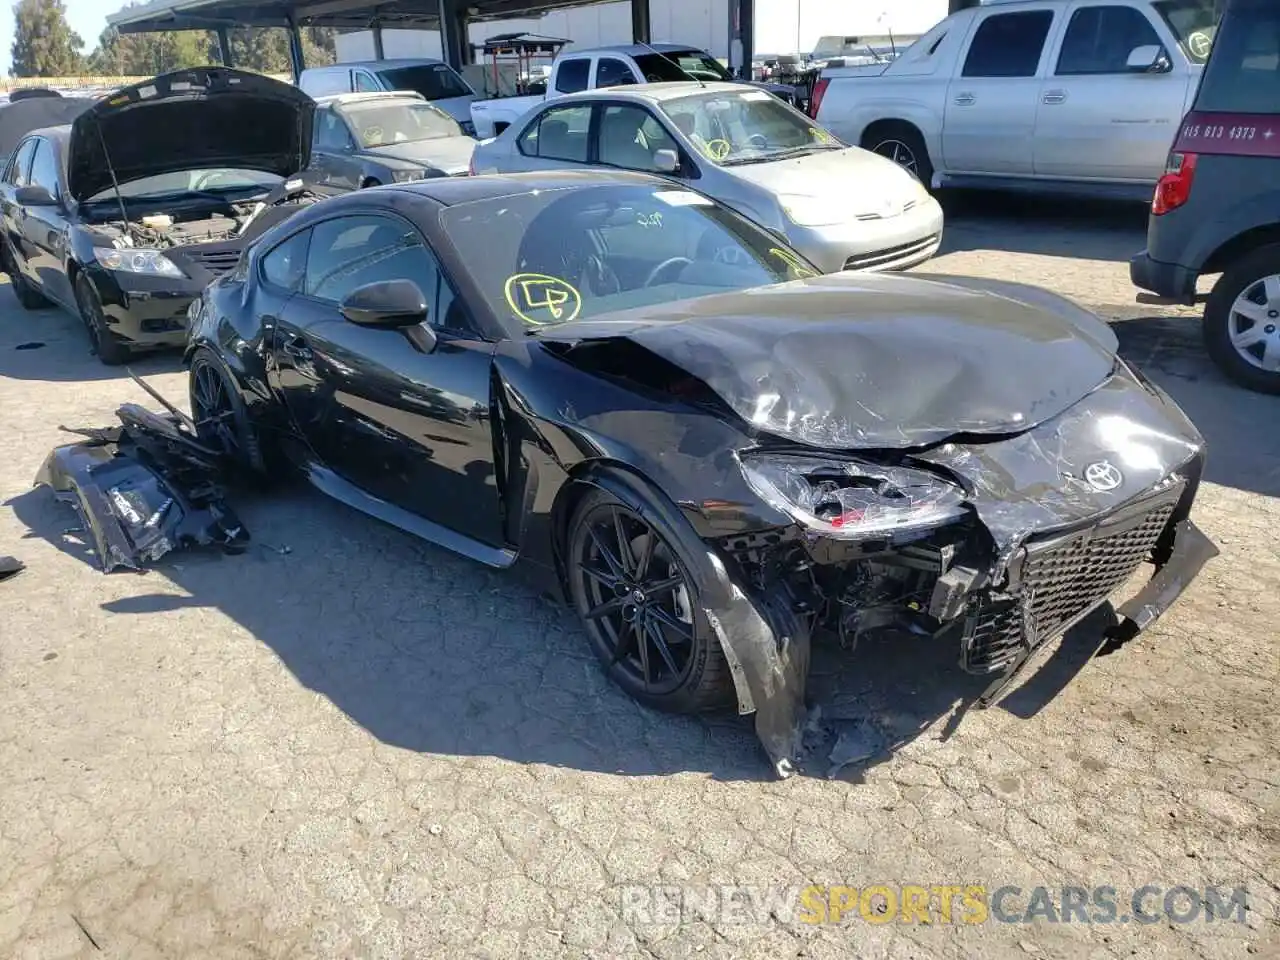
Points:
88	18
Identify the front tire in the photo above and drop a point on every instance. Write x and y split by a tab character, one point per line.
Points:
1242	321
222	419
110	351
641	609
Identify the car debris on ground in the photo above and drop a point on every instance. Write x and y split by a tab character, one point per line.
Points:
145	487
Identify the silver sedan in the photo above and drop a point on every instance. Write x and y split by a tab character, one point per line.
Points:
843	207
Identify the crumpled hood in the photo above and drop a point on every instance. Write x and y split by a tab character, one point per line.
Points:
450	154
883	187
868	361
204	117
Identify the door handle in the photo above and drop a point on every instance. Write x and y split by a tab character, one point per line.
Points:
964	99
1055	96
297	349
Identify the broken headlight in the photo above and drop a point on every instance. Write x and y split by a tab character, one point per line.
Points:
137	260
849	499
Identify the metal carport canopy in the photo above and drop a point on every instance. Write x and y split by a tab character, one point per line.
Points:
449	16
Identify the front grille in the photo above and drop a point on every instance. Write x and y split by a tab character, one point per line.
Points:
890	255
1062	580
216	262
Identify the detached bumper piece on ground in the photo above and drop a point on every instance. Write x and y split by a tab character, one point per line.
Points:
144	488
10	567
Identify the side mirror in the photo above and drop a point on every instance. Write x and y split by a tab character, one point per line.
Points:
1148	59
666	161
34	197
386	305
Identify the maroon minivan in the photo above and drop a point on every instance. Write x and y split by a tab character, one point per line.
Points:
1217	208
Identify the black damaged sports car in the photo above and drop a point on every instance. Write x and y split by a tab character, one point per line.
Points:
714	454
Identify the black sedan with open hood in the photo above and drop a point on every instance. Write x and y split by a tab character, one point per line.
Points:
715	455
129	206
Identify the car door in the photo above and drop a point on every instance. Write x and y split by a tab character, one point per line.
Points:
990	114
17	174
333	162
44	229
611	72
558	137
627	135
405	424
1097	119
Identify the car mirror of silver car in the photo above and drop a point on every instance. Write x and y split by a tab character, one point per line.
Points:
34	197
385	305
1148	59
666	161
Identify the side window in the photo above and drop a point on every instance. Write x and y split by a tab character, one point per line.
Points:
349	252
571	75
629	136
44	168
285	266
613	73
1100	39
559	134
364	82
332	135
20	172
1008	44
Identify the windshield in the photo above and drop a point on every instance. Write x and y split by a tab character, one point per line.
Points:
750	126
552	256
1193	22
1243	76
217	180
681	65
435	81
381	124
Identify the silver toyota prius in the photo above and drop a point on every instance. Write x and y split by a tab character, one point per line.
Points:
843	207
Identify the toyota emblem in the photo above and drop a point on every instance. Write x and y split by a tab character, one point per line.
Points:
1103	476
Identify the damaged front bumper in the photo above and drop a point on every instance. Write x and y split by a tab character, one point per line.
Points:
142	489
999	613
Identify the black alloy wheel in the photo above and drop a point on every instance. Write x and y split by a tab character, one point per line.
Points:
28	296
640	610
222	421
109	350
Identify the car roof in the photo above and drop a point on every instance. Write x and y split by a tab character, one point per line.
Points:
451	191
338	99
656	92
634	49
395	62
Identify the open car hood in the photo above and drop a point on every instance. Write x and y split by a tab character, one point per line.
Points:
866	361
187	120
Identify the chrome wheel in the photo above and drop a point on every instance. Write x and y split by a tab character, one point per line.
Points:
634	597
899	153
1253	324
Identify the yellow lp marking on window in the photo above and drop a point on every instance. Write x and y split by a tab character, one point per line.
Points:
530	294
793	262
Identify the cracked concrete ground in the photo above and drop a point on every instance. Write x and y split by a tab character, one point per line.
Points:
350	744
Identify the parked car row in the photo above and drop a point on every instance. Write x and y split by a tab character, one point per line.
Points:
660	408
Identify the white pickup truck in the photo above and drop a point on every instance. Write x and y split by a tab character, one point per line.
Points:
611	67
1068	96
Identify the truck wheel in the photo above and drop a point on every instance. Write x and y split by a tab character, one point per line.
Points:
901	143
1242	321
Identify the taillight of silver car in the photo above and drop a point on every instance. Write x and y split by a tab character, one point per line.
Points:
1174	188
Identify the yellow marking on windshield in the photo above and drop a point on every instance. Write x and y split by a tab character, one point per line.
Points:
717	150
531	294
793	263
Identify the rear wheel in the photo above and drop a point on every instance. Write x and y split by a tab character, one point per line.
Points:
28	296
901	143
222	420
641	610
1242	321
104	343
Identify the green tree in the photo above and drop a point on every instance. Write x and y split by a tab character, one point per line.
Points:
44	45
148	54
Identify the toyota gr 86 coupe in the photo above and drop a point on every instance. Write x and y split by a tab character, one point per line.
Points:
715	454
